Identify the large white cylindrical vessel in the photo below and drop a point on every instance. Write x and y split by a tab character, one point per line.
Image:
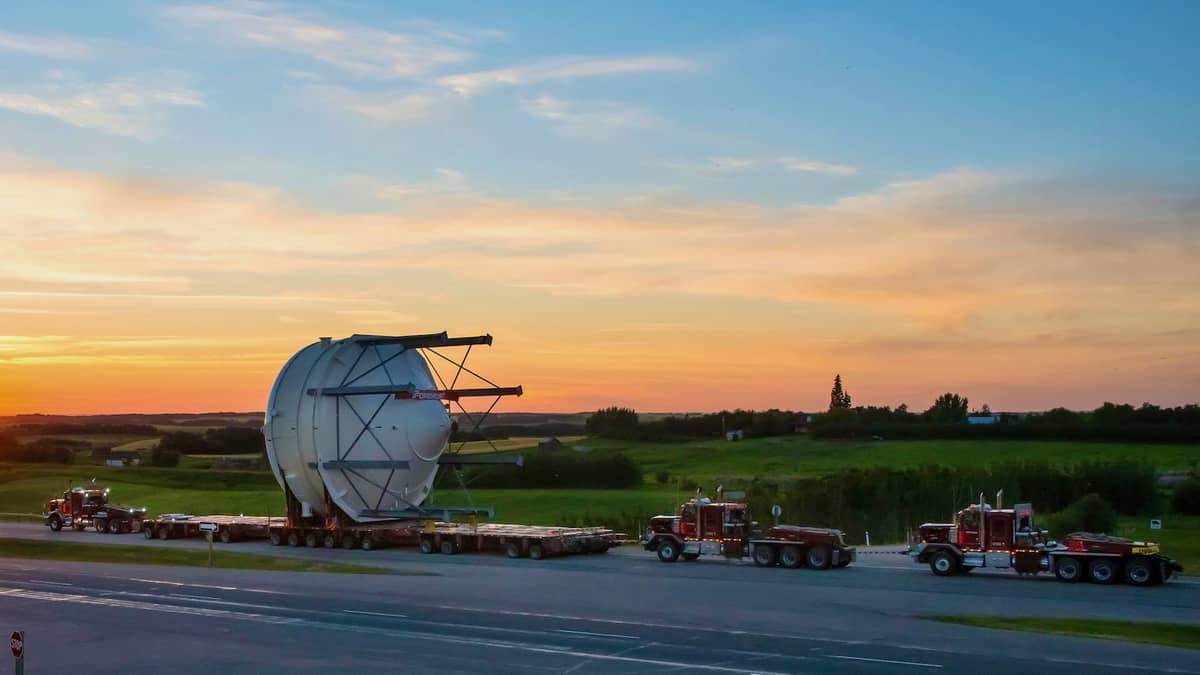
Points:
329	433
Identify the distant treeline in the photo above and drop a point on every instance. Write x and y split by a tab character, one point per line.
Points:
1110	422
68	429
624	424
552	470
223	441
43	450
503	431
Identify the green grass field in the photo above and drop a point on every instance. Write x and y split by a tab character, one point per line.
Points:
1172	634
33	549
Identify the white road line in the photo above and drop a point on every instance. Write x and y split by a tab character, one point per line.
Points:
902	663
184	596
605	635
363	611
52	583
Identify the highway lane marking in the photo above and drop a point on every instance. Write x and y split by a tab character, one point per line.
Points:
184	596
605	635
363	611
902	663
218	588
52	583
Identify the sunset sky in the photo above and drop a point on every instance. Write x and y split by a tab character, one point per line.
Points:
674	206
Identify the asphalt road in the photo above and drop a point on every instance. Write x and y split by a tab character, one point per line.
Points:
623	612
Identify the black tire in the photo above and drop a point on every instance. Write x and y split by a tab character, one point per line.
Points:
330	541
426	545
276	537
1139	572
536	551
1068	569
668	550
367	543
293	538
164	532
349	541
448	547
1103	571
114	527
101	525
818	557
225	535
765	555
512	549
791	557
943	563
56	523
311	540
147	531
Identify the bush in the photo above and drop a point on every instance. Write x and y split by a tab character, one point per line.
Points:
1090	514
554	471
161	456
1187	498
662	477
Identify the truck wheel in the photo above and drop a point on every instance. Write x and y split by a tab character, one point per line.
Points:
164	532
225	535
789	557
348	541
536	552
668	551
449	547
114	527
1068	569
55	523
276	537
1102	571
942	563
367	543
819	557
764	555
310	540
513	549
148	531
426	545
293	538
1139	573
101	525
330	541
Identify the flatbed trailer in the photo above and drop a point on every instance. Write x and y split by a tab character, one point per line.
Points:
515	541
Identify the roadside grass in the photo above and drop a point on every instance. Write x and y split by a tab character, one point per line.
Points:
1170	634
509	444
151	555
1179	538
568	507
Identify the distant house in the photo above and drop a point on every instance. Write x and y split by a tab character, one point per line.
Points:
984	419
735	435
550	444
123	459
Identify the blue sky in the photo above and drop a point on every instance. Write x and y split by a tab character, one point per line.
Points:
995	199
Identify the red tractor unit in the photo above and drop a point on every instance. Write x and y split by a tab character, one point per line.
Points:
983	536
80	507
705	527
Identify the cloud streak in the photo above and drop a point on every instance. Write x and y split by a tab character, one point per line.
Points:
564	68
122	107
598	120
49	47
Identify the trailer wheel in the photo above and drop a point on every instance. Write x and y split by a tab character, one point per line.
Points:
276	537
349	541
1139	573
789	557
367	543
330	541
537	552
225	535
1102	571
310	540
513	549
55	523
148	531
818	557
101	525
1068	569
668	551
764	555
943	563
426	545
164	532
293	538
114	527
449	547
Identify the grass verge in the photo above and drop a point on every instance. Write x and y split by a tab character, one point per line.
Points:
149	555
1170	634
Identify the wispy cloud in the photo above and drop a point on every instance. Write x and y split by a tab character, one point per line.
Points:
357	48
386	109
123	107
56	47
445	181
563	69
797	164
597	120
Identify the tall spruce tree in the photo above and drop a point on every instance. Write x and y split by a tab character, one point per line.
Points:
838	398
